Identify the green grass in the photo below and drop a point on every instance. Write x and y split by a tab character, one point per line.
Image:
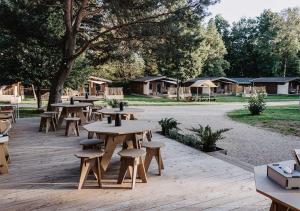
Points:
145	100
283	119
29	112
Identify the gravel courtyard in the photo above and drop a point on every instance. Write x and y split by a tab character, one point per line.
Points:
248	144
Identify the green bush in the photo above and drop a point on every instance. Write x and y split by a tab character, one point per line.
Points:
208	138
113	103
168	124
256	104
116	103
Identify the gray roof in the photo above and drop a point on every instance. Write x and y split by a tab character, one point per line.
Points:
153	78
275	79
211	79
243	80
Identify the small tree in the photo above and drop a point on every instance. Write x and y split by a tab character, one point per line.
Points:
256	104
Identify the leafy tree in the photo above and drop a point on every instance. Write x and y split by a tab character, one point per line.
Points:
124	68
103	25
215	62
241	50
180	55
268	63
27	44
287	40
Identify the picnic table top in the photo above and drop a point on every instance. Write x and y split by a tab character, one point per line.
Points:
117	110
83	99
127	127
68	105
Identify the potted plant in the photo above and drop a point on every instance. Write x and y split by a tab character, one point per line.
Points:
208	137
167	124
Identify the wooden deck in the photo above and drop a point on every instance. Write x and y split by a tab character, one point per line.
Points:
44	175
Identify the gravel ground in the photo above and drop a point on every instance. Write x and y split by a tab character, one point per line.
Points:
249	144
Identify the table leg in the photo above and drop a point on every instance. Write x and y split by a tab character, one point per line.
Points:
111	144
81	115
275	206
63	114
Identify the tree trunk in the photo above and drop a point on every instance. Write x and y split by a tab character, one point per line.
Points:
285	66
177	90
39	97
57	86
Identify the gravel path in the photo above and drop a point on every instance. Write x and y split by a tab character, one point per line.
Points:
249	144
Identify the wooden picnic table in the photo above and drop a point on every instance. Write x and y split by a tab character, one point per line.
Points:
282	199
115	135
129	112
82	99
71	110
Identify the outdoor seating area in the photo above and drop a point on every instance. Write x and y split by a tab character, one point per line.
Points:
150	105
189	179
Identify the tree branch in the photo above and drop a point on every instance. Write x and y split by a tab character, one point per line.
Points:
86	45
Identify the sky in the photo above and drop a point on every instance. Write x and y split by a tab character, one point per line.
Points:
233	10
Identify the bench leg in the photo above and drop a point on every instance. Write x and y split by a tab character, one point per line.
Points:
149	155
67	128
42	123
3	162
85	169
141	170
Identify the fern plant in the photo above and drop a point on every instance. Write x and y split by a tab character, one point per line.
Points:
113	103
167	124
208	137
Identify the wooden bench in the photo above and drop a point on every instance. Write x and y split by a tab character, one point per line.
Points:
4	155
132	158
88	114
92	144
9	110
89	161
54	115
97	116
5	126
153	150
47	122
72	123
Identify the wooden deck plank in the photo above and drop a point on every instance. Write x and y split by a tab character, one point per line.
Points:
44	174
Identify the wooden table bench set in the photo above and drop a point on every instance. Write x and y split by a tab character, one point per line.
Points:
103	139
134	135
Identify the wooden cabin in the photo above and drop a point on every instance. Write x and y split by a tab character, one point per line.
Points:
13	93
279	85
95	86
152	85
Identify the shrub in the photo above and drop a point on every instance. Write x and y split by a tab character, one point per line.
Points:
168	124
208	138
256	104
114	103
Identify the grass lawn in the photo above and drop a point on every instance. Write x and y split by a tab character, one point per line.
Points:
144	100
29	112
283	119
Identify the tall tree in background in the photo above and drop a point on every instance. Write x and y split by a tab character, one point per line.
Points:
215	64
287	41
179	55
268	61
